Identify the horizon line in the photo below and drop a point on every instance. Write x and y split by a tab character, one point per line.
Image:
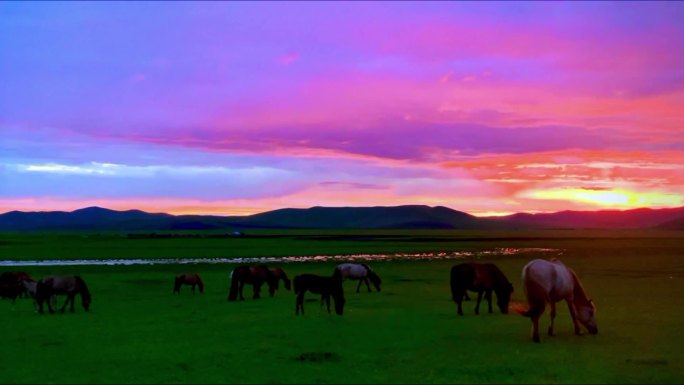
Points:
491	214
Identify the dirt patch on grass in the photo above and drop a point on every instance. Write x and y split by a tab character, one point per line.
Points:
148	281
318	357
652	362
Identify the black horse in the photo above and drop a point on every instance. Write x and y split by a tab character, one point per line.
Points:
325	286
255	276
483	279
70	285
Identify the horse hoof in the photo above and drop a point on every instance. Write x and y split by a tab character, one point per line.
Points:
536	339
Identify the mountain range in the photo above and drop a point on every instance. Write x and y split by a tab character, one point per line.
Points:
395	217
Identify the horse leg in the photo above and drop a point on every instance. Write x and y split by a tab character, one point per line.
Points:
479	299
66	302
573	314
367	285
460	308
299	303
466	296
535	328
327	302
73	297
553	316
257	290
242	285
488	297
359	285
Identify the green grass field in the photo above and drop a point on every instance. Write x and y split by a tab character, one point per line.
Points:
138	332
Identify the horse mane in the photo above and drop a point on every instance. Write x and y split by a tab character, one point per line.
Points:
366	266
578	290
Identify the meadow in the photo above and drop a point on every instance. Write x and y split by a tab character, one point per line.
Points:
138	332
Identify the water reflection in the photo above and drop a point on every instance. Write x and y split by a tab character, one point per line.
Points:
310	258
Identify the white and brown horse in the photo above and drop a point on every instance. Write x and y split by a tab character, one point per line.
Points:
358	272
550	282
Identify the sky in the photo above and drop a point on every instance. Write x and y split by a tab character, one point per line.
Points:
235	108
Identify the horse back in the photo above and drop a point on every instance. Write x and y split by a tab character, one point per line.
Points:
551	280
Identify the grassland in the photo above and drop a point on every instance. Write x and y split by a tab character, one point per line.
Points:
138	332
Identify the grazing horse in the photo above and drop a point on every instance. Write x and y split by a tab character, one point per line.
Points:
274	276
255	276
361	272
191	279
551	282
70	285
325	286
482	278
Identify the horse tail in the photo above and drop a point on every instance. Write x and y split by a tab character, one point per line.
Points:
453	282
536	298
234	281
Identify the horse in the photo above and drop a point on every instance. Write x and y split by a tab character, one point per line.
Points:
482	278
11	284
274	276
70	285
361	272
325	286
255	276
550	282
192	279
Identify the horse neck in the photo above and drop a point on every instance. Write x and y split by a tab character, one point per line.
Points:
81	287
578	290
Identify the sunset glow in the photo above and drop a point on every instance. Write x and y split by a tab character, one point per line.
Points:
235	108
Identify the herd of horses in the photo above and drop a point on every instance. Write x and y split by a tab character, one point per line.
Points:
544	282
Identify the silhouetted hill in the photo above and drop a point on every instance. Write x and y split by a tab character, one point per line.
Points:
397	217
677	224
605	219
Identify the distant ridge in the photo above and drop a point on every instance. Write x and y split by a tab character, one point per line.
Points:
378	217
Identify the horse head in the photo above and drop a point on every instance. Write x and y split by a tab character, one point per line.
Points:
503	297
586	314
375	279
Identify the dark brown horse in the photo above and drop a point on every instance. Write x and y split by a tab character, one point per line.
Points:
483	279
551	282
191	279
325	286
62	285
255	276
12	284
274	277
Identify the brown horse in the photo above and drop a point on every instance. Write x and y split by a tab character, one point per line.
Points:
551	282
255	276
325	286
191	279
12	284
483	279
58	285
274	277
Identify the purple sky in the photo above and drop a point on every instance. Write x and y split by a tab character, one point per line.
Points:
242	107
